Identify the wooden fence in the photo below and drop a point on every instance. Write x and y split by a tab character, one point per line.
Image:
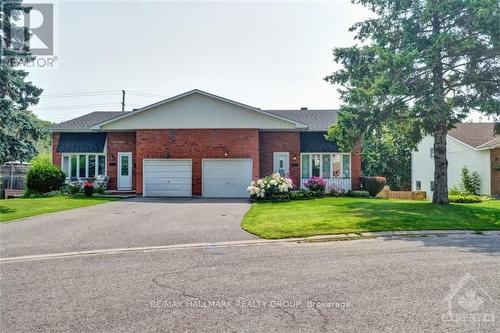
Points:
404	195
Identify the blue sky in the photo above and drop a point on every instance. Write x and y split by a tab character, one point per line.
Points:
267	54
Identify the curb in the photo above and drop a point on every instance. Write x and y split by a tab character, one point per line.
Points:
398	234
254	242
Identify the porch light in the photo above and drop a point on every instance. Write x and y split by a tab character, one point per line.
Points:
225	154
294	157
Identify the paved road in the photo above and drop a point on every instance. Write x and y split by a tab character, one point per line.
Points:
349	286
126	223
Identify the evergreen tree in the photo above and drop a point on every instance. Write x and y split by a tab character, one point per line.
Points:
425	64
19	128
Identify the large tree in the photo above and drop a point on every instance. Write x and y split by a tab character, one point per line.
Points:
424	64
19	128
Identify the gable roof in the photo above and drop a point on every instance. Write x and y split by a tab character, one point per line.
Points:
476	135
311	120
84	122
197	91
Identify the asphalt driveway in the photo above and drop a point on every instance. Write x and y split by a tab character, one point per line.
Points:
127	223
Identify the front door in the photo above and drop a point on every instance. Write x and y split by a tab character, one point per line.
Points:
281	163
124	171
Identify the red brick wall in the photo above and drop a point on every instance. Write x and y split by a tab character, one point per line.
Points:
271	142
495	175
119	142
56	157
356	167
196	144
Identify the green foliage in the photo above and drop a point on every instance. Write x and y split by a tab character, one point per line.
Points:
423	64
71	189
20	130
464	198
301	195
373	184
44	177
470	182
357	194
455	191
44	158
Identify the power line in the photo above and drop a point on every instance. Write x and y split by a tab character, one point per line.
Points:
74	106
81	94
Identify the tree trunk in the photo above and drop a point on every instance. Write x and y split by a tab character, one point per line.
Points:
440	110
440	194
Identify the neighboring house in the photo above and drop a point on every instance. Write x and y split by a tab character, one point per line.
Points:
197	143
473	145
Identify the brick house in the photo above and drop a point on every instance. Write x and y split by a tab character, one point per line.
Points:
472	145
197	144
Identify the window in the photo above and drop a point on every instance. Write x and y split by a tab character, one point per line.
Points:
418	185
336	165
83	165
346	166
305	166
315	166
74	165
325	172
432	153
124	164
91	165
326	165
65	165
101	167
432	186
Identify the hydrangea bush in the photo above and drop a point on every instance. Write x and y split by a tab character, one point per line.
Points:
270	188
315	184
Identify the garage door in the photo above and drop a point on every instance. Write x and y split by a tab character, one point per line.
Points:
226	178
167	178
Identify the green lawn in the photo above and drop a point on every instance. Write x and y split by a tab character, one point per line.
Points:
12	209
346	215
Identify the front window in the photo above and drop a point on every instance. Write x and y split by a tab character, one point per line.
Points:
325	172
418	185
326	165
83	165
305	166
432	186
315	166
346	166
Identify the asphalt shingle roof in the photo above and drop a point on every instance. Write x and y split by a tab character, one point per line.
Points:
477	135
316	120
85	121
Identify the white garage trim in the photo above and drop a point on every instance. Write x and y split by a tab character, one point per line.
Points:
240	178
189	171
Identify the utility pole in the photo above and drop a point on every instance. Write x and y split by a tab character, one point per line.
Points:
123	100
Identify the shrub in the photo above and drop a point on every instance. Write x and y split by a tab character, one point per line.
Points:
301	195
71	189
44	177
373	184
88	189
470	182
274	187
316	185
357	194
455	191
464	198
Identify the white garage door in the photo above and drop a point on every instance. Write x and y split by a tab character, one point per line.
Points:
226	178
167	178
